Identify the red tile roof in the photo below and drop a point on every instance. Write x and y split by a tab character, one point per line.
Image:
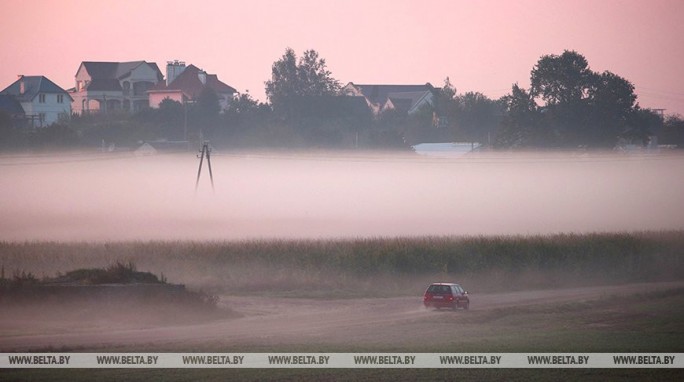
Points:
189	83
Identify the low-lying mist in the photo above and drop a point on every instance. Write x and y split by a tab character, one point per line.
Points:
107	197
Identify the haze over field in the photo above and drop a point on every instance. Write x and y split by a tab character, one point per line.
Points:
83	197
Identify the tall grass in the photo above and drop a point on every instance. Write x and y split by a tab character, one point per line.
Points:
359	264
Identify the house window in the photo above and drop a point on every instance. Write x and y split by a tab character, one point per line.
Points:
41	98
141	88
60	98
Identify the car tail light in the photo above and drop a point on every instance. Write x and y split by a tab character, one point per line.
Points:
450	298
427	296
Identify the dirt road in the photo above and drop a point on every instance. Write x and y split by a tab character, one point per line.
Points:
269	322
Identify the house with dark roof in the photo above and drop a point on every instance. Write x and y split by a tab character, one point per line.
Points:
43	102
406	99
110	86
185	84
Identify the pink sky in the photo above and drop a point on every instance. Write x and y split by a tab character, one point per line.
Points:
481	45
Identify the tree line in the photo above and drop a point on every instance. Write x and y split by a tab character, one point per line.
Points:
566	106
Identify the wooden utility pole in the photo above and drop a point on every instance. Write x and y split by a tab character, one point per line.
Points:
205	152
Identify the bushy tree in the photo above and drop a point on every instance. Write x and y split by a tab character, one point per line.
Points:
672	132
244	119
171	118
292	77
471	117
561	79
208	105
611	105
521	124
579	107
10	135
477	117
444	101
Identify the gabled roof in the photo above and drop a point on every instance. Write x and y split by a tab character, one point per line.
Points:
125	68
378	94
10	105
105	76
32	86
189	83
401	105
116	70
218	86
100	70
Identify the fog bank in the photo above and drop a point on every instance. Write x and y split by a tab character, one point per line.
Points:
86	197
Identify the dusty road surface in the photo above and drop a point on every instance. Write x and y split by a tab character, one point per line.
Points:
272	322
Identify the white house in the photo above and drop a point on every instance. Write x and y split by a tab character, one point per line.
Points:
110	86
186	83
43	101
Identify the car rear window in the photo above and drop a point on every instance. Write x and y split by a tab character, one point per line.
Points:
439	289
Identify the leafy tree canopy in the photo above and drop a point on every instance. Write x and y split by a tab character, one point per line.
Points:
292	77
561	79
579	107
208	103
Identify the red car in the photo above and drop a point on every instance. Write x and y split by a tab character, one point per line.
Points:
446	295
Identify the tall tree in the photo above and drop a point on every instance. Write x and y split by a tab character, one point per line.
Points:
292	78
612	105
561	79
578	106
444	102
477	117
520	126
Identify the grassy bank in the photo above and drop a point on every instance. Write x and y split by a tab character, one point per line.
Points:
359	267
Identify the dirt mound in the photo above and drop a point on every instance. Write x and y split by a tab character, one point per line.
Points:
115	294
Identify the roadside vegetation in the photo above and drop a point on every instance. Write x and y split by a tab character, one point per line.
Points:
359	267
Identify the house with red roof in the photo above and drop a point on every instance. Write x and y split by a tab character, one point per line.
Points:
111	86
185	84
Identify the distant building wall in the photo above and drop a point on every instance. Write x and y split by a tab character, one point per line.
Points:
47	108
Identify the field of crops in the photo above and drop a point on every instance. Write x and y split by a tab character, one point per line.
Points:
353	267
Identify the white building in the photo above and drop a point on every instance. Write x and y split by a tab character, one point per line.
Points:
111	86
43	101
